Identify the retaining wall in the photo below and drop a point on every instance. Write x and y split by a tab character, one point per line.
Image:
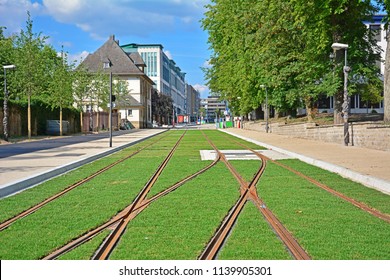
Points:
373	135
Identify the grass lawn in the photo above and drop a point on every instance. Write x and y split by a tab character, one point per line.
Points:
326	226
13	205
179	225
253	239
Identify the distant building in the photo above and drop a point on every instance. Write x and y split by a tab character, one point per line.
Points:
211	105
166	75
136	107
192	102
357	105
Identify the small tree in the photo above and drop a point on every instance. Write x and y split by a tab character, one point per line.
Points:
60	85
82	82
31	67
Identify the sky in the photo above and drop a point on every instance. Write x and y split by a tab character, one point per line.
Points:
82	26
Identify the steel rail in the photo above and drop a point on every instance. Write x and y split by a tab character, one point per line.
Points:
108	245
214	245
383	216
216	242
88	236
360	205
38	206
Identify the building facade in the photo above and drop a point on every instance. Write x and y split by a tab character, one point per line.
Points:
192	102
135	106
163	71
357	105
211	106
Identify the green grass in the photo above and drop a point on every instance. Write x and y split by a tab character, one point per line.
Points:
178	226
371	197
253	239
91	204
174	226
326	226
185	161
246	168
13	205
86	250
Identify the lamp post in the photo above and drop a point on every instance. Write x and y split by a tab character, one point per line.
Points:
345	110
266	108
110	117
5	107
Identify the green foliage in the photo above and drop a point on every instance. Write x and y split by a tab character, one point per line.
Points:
285	45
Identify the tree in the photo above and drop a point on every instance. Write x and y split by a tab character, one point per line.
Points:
284	45
122	94
99	92
82	83
6	58
29	60
385	5
60	84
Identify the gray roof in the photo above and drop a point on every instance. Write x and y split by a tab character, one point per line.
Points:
111	52
131	102
137	59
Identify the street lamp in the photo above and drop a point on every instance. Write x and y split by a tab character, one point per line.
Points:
345	110
110	117
5	108
266	108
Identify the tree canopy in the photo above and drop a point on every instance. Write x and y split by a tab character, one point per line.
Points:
285	46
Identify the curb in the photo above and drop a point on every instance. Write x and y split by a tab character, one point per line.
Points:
29	182
368	181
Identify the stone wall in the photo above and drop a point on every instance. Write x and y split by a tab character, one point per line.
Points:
373	135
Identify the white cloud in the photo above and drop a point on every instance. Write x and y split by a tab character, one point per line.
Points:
207	64
77	57
13	14
100	18
168	53
202	89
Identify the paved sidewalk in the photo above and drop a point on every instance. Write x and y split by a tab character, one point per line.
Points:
367	166
23	169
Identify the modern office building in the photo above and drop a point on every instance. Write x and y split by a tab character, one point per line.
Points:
163	71
212	105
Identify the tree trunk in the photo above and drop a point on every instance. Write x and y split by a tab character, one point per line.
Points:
29	116
386	94
61	121
81	120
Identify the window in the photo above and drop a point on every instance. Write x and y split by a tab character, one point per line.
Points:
376	32
106	65
130	112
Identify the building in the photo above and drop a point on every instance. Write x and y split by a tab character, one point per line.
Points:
211	105
357	105
166	75
192	102
135	107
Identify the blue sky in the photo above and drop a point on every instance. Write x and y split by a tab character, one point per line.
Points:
82	26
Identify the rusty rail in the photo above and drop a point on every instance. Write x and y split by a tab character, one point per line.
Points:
215	244
108	245
88	236
38	206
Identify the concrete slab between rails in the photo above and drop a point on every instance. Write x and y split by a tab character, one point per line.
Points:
31	181
242	154
368	181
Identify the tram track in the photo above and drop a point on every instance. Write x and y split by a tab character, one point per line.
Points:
91	234
383	216
249	192
52	198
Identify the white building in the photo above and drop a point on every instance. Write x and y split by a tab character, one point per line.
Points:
166	75
136	106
